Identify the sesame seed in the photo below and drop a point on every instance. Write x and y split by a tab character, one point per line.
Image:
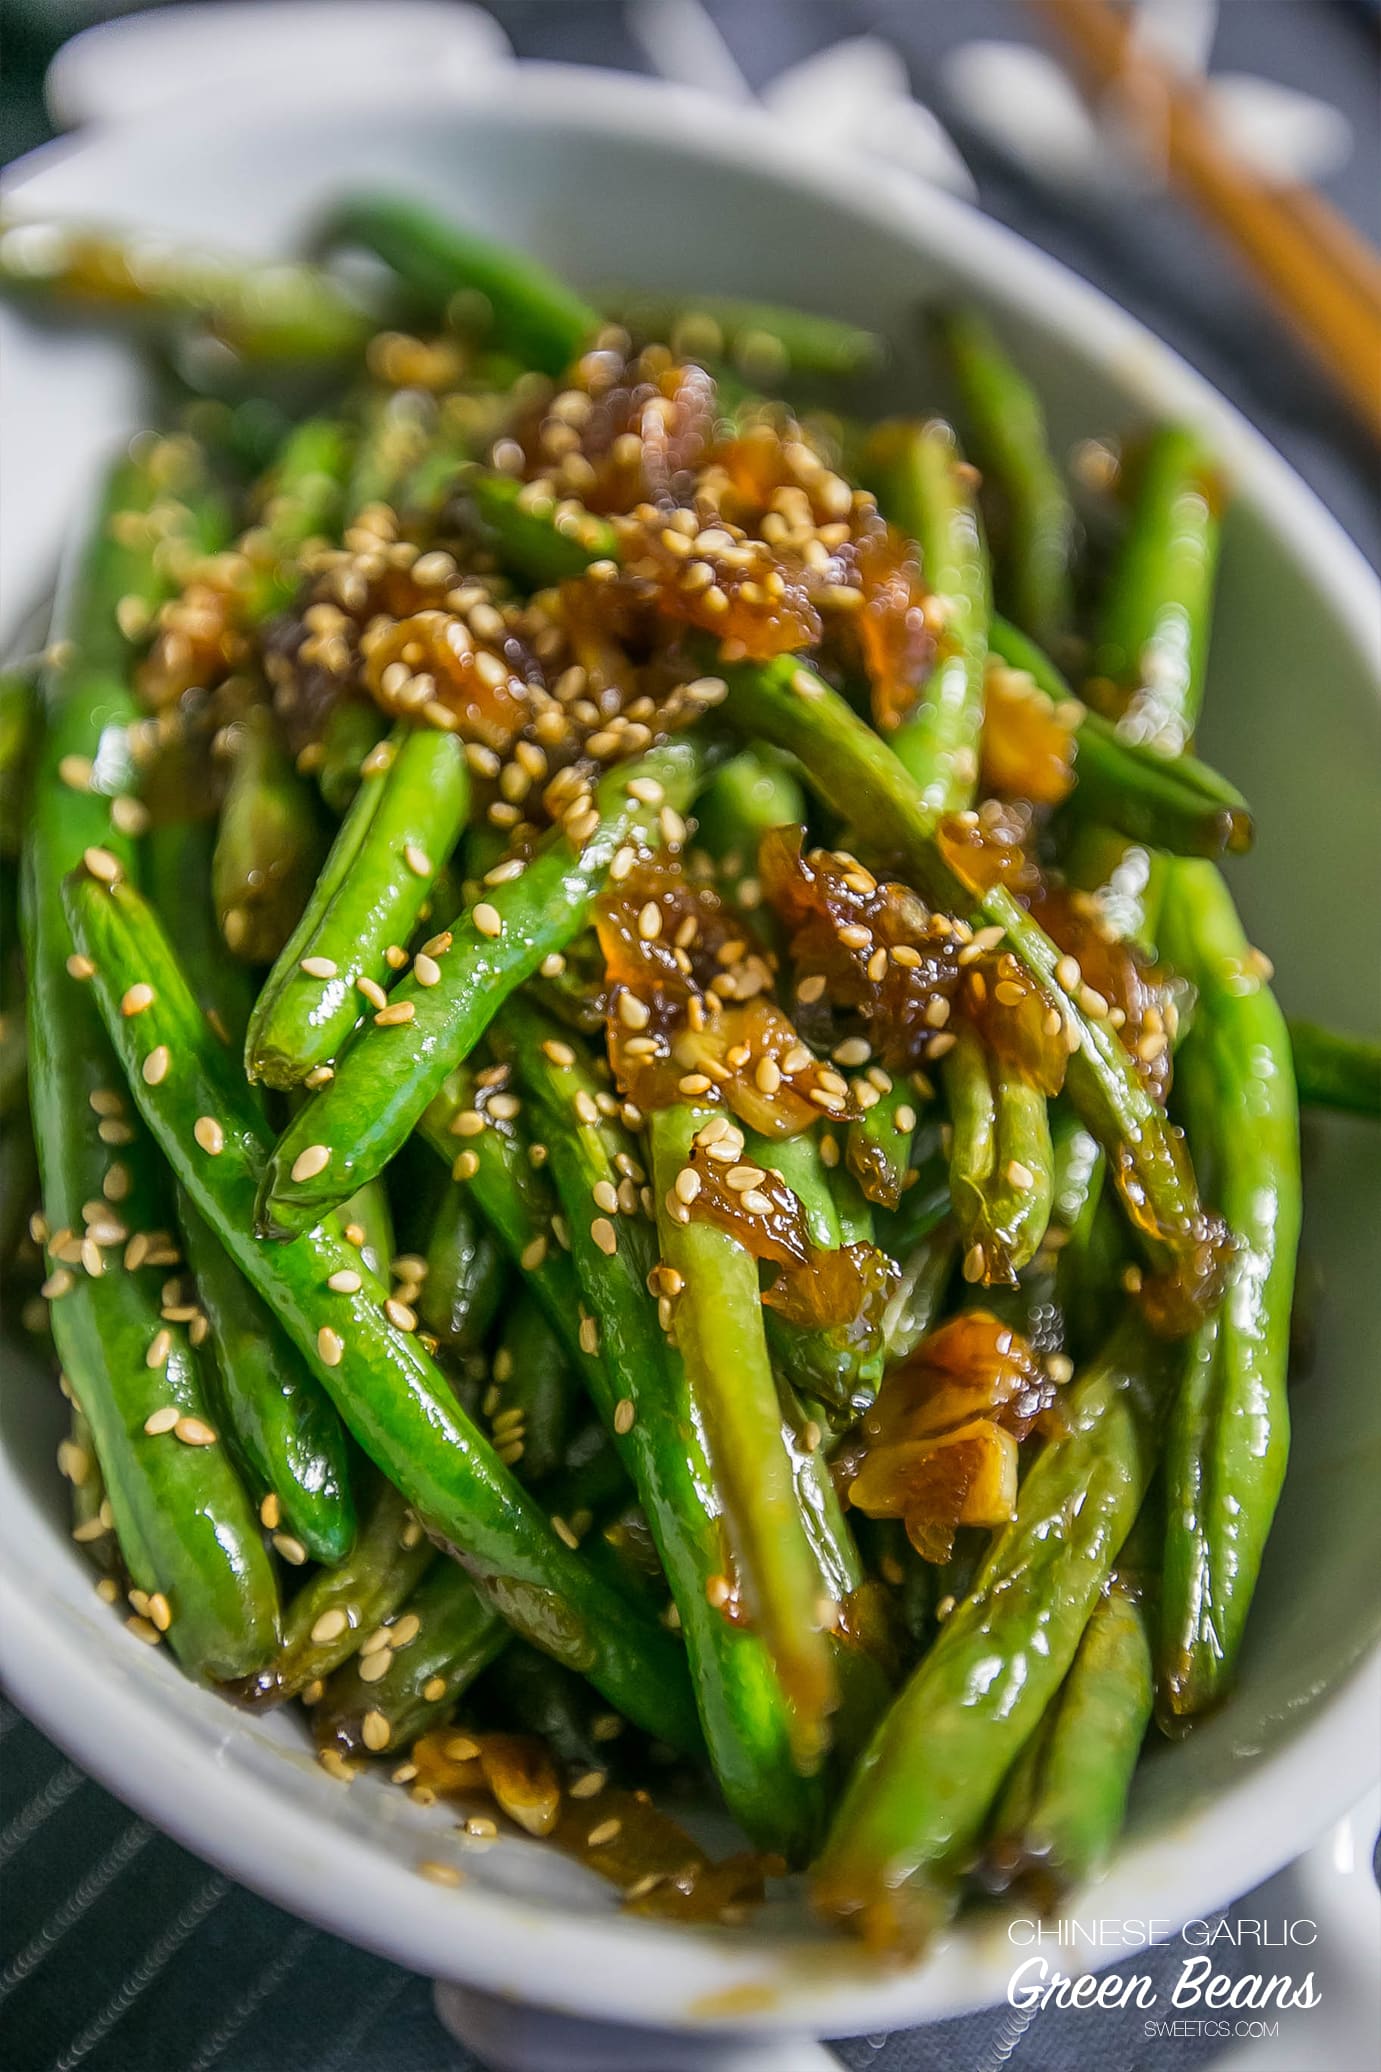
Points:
632	1012
1067	973
160	1611
488	920
755	1202
79	967
624	1415
650	921
589	1337
345	1282
588	1785
320	1075
434	1689
163	1419
1020	1176
557	1052
101	864
974	1263
1059	1367
310	1162
809	990
563	1532
145	1630
646	790
586	1108
193	1431
376	1664
718	1591
271	1512
606	1196
375	1732
394	1015
330	1625
136	999
155	1065
426	970
373	992
693	1083
687	1184
604	1235
418	861
160	1346
399	1315
607	1831
532	1254
76	772
318	967
209	1135
466	1165
330	1346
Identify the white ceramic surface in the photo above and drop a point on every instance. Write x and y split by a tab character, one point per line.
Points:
610	178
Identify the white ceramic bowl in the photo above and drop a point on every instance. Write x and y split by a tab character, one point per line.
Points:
611	179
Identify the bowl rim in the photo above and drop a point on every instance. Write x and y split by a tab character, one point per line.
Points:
278	1843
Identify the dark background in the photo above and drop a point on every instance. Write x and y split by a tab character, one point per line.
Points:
118	1950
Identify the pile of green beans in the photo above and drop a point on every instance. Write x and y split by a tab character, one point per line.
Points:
320	819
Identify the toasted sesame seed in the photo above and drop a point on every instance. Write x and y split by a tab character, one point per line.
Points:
145	1630
345	1281
718	1591
418	861
466	1165
310	1162
330	1346
624	1415
563	1532
1020	1176
809	990
160	1611
395	1014
604	1235
375	1732
650	921
687	1184
532	1254
488	920
376	1664
606	1832
400	1315
426	970
586	1108
164	1419
271	1512
318	967
209	1135
1068	974
373	992
434	1689
589	1336
79	967
588	1785
160	1346
76	772
320	1075
194	1431
101	864
974	1263
606	1196
1059	1367
693	1083
330	1625
155	1065
136	999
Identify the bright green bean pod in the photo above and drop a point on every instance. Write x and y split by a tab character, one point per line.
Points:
284	1427
379	1703
466	1275
1172	802
177	874
1063	1807
922	487
1151	644
913	1812
1229	1439
1337	1071
535	1389
404	821
339	1608
719	1331
765	342
268	846
302	502
1001	1169
537	547
857	773
392	1396
752	792
277	312
354	728
386	1078
877	1144
1006	434
186	1530
533	313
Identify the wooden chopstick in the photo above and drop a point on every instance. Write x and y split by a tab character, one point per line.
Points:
1324	277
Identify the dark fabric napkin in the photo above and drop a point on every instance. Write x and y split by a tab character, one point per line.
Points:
120	1952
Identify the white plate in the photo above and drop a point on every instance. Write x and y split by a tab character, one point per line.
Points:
610	178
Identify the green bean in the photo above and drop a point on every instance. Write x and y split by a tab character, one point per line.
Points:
1065	1801
20	726
1001	1175
268	846
277	312
386	1078
752	792
465	1275
1173	802
910	1818
923	488
857	773
404	820
367	1222
382	1701
877	1144
1230	1436
1151	645
1336	1071
535	1388
283	1426
177	873
1007	437
354	728
92	1528
638	1384
395	439
302	503
533	314
339	1608
19	1186
391	1395
719	1330
763	341
186	1530
538	548
538	1696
